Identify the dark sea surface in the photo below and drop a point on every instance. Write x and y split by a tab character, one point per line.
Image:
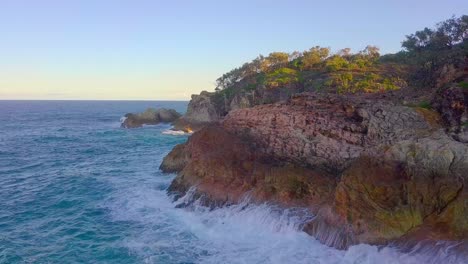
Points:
77	188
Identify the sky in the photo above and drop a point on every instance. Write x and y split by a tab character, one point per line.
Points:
168	50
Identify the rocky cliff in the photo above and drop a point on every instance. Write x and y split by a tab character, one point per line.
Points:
201	111
207	108
371	170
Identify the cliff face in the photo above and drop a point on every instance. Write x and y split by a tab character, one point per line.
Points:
224	167
326	131
371	170
207	108
201	109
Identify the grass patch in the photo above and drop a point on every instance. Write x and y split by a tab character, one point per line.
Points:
463	84
465	124
281	77
425	105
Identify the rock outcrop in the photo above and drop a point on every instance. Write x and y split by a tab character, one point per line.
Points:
413	185
371	170
234	165
452	103
201	109
176	160
150	117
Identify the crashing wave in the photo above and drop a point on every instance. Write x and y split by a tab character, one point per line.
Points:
175	132
122	119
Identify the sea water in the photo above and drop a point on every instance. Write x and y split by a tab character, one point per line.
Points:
77	188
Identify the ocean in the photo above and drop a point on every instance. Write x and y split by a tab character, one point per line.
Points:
77	188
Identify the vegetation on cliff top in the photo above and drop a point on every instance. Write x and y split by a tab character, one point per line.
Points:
430	57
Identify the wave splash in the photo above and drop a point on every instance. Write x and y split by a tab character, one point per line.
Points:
175	132
241	233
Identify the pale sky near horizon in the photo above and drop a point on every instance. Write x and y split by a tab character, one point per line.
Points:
168	50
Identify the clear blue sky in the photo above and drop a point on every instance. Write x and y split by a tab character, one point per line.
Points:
142	49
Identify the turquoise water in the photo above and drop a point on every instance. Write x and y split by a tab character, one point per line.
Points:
77	188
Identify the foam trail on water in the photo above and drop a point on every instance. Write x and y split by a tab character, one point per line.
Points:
242	233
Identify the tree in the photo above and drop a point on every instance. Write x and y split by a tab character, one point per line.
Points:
447	34
295	55
314	57
277	59
365	58
346	53
372	53
432	50
417	41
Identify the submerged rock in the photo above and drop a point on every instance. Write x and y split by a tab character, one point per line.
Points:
150	117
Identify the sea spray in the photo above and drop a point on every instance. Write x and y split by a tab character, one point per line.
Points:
247	233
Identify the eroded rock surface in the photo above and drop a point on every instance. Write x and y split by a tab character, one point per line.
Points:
235	166
452	103
201	109
326	131
371	170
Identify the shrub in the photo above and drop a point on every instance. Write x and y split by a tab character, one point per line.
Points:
336	63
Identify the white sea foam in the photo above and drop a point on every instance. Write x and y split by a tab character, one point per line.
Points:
122	119
175	132
241	233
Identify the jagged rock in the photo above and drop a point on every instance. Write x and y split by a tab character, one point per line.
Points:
201	109
235	168
409	186
182	124
176	160
241	101
452	103
373	171
325	131
150	117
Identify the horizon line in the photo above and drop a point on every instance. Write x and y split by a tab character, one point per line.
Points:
142	100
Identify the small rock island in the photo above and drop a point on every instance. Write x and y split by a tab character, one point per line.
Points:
150	117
